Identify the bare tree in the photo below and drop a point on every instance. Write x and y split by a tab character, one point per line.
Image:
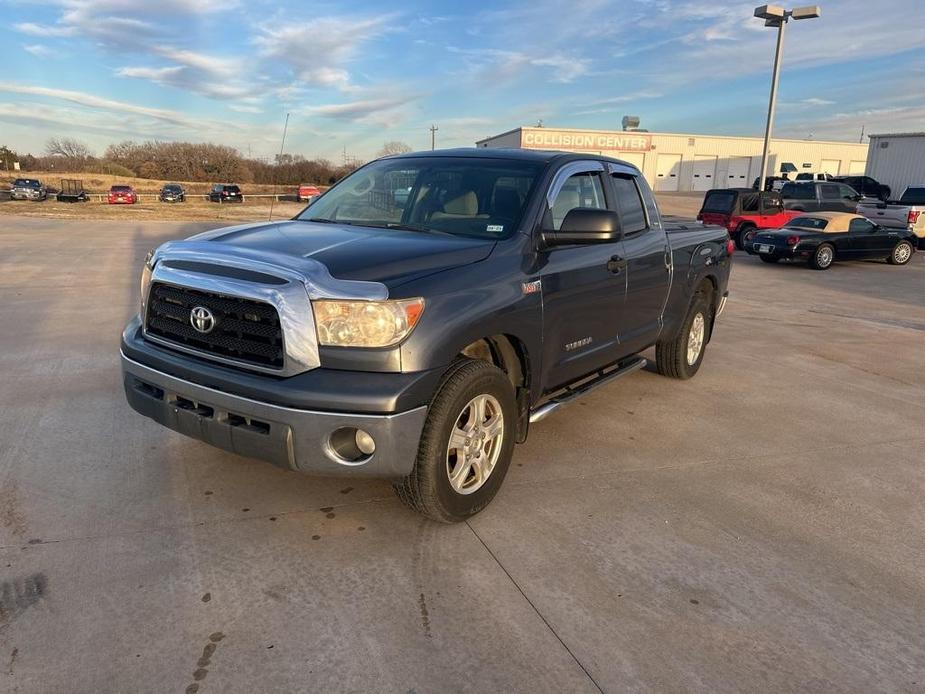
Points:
394	147
67	147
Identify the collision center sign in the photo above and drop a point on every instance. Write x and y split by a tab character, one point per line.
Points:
577	140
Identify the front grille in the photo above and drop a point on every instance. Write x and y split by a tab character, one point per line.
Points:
245	330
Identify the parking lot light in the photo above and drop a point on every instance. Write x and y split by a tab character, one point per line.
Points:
775	16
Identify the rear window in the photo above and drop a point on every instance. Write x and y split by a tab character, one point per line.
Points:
120	189
809	223
232	189
720	201
913	196
798	191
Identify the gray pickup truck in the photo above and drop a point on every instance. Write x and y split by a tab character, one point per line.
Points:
906	213
28	189
419	316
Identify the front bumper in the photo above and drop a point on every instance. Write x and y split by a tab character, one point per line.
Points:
22	195
291	438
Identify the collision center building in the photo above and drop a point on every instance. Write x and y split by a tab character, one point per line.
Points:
675	162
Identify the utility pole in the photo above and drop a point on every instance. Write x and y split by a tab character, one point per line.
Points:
433	137
861	139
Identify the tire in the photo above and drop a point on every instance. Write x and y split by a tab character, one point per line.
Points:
823	257
429	489
769	259
902	253
740	235
673	356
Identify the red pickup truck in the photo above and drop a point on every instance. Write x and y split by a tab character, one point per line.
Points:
743	211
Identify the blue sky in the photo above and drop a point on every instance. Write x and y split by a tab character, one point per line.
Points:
359	74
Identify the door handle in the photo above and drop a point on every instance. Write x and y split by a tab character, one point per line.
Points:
616	264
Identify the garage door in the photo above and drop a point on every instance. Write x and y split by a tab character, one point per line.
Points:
830	166
856	168
704	171
637	159
737	175
667	171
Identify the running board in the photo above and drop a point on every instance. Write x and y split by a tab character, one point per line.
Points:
601	378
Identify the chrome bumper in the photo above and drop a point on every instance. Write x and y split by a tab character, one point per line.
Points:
290	438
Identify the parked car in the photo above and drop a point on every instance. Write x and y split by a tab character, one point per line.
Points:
418	342
28	189
774	183
866	186
809	176
172	192
820	197
306	192
223	192
821	238
906	213
122	195
742	211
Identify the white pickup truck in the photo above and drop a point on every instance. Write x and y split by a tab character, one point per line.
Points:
906	213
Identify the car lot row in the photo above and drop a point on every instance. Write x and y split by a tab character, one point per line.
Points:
71	190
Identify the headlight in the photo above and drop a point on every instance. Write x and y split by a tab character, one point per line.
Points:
146	271
366	323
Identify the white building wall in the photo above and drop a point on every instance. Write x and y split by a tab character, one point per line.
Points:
897	160
729	152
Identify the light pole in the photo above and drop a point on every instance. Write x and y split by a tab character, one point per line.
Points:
433	136
775	16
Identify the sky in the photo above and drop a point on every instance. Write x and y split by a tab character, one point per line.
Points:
355	75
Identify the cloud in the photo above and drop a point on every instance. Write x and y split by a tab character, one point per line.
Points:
356	111
815	101
318	51
212	76
38	50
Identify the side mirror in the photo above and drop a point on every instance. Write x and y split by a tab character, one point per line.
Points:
857	198
585	225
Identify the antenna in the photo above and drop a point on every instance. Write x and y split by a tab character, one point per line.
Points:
279	160
433	137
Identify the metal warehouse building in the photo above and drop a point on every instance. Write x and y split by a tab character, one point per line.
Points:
673	162
897	160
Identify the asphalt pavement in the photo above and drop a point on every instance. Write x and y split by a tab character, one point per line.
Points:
759	528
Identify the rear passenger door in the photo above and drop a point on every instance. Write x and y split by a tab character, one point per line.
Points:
645	251
829	198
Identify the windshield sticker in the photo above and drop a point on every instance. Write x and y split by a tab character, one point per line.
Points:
495	227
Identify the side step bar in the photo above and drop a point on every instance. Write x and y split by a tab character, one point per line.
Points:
573	393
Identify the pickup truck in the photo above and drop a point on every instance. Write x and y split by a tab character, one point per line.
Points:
418	340
906	213
810	196
743	211
28	189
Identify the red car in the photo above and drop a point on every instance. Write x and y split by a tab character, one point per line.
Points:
122	195
307	192
743	211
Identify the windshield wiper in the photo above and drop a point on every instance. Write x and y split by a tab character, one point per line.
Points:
408	227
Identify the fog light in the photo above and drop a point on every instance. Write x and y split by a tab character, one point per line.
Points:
365	442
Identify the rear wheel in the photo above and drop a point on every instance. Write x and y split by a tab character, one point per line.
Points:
466	446
902	253
823	257
742	235
681	356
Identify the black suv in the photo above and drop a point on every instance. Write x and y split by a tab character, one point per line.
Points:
225	193
172	192
866	186
820	196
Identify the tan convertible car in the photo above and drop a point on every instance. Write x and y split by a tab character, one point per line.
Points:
821	238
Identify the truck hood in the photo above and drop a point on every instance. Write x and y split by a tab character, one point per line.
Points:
389	256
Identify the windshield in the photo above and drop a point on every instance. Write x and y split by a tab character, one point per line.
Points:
913	196
172	189
457	195
720	201
808	223
798	191
120	189
26	183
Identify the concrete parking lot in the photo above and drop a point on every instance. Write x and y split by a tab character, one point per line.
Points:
758	528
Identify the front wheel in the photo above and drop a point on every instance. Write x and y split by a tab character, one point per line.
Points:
902	253
681	356
822	258
466	445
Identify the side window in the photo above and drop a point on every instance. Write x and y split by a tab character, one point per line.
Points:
830	191
750	203
847	192
860	226
580	190
771	204
629	204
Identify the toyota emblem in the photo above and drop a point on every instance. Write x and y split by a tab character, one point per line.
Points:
201	319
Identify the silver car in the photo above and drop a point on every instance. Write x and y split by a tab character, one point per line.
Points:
28	189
